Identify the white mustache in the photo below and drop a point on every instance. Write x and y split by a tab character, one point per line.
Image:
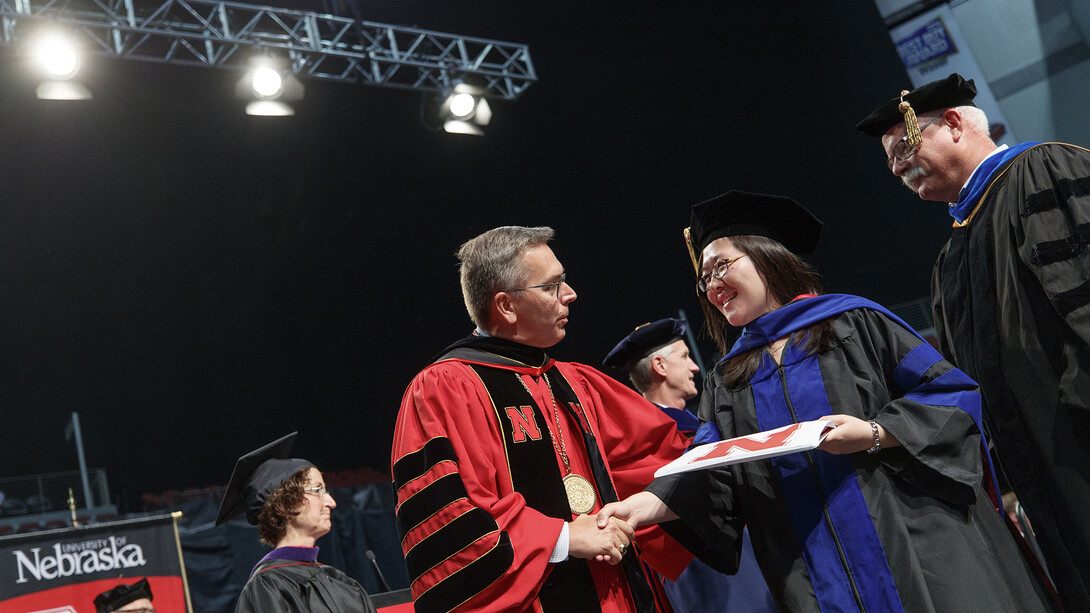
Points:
910	177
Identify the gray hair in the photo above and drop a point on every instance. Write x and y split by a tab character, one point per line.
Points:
491	263
640	372
975	117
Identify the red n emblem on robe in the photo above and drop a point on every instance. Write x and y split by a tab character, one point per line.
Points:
523	424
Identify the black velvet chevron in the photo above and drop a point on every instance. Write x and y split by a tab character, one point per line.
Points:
468	581
1050	252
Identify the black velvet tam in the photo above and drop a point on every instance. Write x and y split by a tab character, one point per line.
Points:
738	213
942	94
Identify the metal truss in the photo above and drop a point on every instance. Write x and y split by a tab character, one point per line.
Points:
322	46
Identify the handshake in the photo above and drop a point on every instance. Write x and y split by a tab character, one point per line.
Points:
606	536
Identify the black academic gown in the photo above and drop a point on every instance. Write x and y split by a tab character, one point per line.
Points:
702	589
1011	296
291	580
906	529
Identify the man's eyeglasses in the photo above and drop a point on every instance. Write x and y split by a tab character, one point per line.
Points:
718	271
319	491
563	279
140	610
902	150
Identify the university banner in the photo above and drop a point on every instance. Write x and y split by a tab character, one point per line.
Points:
61	571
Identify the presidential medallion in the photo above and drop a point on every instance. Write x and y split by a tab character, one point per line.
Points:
580	494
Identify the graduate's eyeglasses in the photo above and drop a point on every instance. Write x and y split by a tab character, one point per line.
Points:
319	491
718	271
563	279
140	610
902	150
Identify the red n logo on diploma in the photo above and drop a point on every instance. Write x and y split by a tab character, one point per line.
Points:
792	438
776	439
523	424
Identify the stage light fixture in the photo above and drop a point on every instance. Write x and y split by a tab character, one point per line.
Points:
56	54
266	82
57	57
462	105
464	109
269	86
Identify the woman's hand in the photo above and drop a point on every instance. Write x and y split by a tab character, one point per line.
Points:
639	508
853	435
630	509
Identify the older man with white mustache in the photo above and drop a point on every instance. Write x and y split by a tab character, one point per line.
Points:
1011	299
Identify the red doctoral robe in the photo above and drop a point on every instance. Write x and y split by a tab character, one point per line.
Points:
471	539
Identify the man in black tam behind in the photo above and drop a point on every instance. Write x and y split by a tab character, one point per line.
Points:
500	453
657	359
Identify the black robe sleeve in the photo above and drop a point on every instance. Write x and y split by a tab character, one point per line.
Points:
927	409
706	494
1052	226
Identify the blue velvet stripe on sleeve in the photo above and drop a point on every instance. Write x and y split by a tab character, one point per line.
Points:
955	389
908	373
708	432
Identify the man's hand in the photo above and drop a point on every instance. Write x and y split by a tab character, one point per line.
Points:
605	544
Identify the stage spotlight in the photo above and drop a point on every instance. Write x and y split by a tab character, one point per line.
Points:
266	82
462	105
57	58
269	87
464	109
57	55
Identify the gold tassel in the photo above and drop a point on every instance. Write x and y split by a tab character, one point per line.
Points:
912	127
692	253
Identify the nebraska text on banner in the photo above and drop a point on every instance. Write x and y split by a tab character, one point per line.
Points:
63	570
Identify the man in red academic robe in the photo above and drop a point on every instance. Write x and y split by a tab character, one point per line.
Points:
502	455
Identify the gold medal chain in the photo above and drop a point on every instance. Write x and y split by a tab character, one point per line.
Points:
562	449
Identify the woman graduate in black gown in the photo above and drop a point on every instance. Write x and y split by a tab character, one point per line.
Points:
288	501
890	513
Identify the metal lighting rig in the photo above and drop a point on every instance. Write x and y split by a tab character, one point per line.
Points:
319	46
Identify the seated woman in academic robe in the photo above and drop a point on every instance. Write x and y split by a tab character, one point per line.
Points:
890	513
288	501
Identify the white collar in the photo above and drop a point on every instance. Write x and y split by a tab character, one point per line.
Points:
972	174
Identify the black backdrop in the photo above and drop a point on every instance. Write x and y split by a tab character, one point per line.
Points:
196	282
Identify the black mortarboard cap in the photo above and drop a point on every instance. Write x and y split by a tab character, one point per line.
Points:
256	476
645	340
122	595
738	213
942	94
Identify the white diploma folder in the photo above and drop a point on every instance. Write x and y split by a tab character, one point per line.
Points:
794	438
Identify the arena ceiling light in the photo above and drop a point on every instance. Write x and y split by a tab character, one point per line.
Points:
464	109
269	87
266	82
57	59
